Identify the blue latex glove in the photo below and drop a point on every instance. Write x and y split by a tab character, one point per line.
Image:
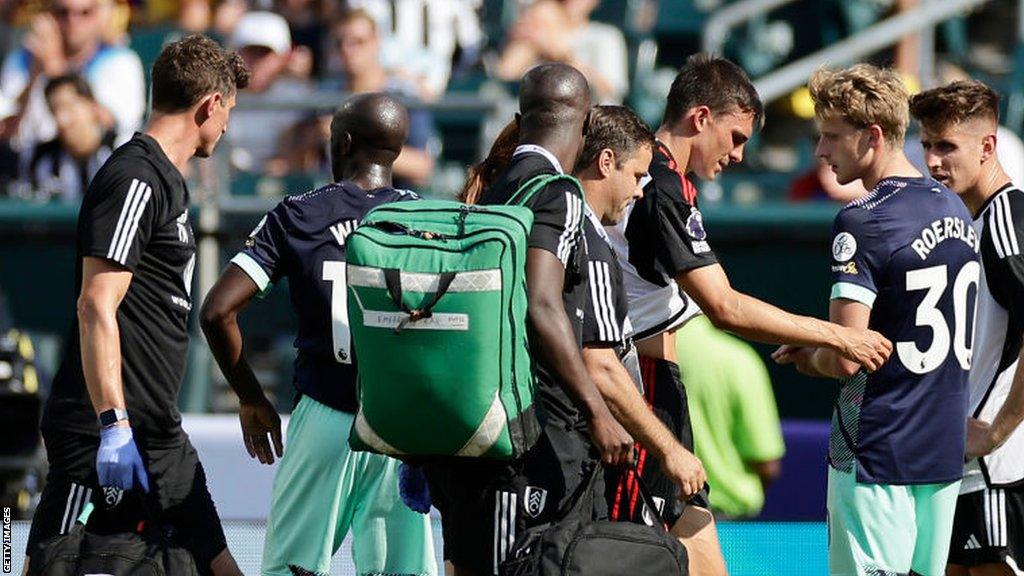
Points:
412	486
118	462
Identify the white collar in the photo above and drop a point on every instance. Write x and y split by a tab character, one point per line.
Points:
524	148
596	222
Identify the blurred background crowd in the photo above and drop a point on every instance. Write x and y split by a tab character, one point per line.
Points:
73	80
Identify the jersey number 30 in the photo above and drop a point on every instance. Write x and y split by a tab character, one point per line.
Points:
334	272
935	279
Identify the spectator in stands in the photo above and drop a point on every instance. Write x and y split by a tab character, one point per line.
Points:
736	429
68	37
561	31
423	40
63	167
358	44
265	43
302	149
306	22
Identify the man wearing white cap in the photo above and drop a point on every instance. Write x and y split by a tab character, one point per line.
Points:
265	43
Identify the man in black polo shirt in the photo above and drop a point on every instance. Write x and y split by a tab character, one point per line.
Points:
612	168
111	424
484	503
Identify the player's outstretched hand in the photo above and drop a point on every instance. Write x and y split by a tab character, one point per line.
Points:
979	439
118	462
865	347
686	470
260	426
611	440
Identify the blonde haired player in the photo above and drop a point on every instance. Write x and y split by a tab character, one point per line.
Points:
904	263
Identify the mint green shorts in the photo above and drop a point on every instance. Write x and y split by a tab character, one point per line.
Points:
322	490
881	529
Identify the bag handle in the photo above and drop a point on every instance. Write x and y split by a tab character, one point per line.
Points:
573	505
393	280
530	188
645	493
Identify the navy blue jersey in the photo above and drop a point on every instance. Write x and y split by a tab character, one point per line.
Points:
304	239
907	251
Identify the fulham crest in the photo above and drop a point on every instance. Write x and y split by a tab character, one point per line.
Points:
534	500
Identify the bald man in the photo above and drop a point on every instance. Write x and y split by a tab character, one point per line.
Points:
484	503
321	489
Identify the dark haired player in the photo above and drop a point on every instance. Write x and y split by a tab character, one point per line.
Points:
958	132
322	489
711	112
111	423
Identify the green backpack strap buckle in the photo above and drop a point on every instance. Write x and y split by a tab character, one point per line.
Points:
393	281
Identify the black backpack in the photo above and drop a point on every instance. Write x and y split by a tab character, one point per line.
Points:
577	545
78	552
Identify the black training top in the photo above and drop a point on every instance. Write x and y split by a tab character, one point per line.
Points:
135	215
605	321
556	220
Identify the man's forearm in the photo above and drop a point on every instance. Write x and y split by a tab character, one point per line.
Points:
225	340
414	165
1011	413
101	356
757	320
626	404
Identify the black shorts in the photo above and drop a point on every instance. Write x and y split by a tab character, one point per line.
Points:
666	396
178	492
988	527
485	503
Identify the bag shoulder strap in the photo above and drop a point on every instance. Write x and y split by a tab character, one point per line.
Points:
531	187
573	505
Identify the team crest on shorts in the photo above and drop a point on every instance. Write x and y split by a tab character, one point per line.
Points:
534	500
112	496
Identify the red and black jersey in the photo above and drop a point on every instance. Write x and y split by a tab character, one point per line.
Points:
662	236
666	229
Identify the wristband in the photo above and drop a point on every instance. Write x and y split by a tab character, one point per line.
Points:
113	416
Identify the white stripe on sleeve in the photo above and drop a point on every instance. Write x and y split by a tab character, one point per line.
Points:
1011	232
609	304
125	208
130	235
